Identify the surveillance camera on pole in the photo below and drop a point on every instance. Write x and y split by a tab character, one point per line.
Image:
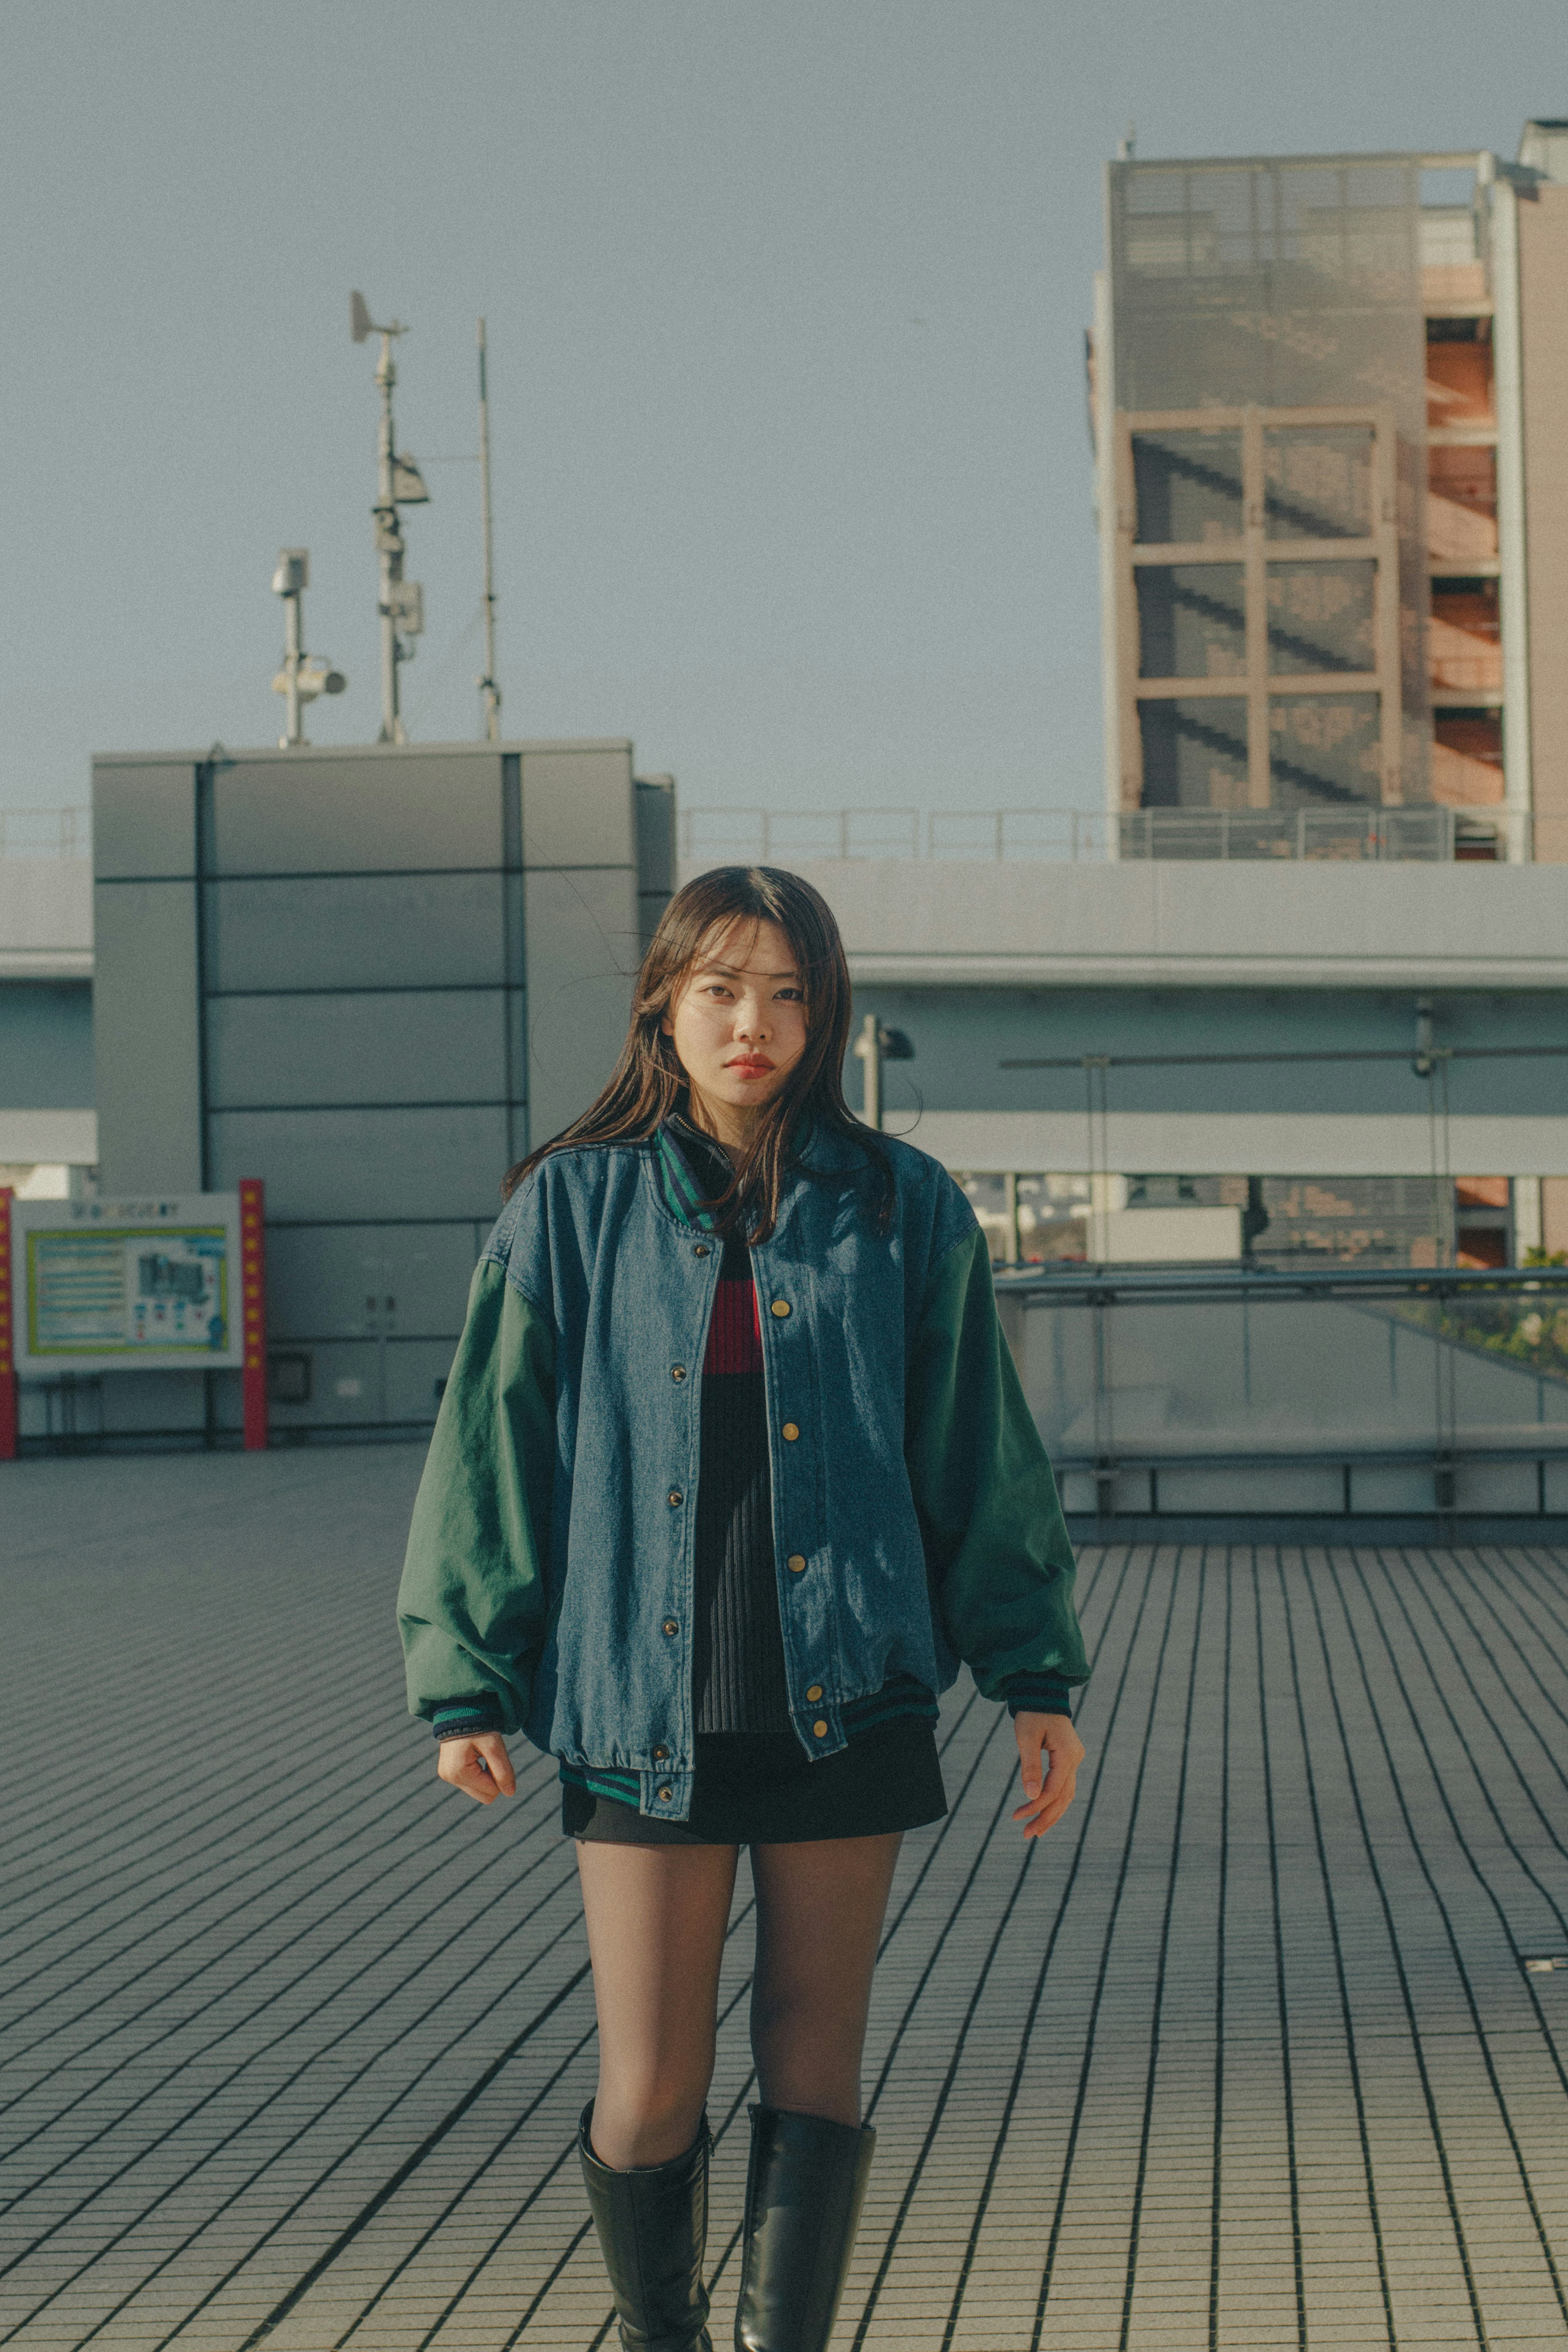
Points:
398	483
303	675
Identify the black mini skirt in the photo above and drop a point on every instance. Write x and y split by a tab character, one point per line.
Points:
760	1788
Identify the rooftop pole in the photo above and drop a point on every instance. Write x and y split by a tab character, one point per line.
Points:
488	688
389	547
401	605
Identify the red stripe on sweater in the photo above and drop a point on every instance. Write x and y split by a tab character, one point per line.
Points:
735	1335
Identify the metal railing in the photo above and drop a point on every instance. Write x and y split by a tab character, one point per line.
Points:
46	833
1337	1392
1083	836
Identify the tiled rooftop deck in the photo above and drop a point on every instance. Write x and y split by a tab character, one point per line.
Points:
1245	2055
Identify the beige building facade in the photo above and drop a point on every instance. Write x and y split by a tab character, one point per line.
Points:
1330	397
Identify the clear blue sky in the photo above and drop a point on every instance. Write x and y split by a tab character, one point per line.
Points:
786	302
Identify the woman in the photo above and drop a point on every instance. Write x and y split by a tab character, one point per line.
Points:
732	1468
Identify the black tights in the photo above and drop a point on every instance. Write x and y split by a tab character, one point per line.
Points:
657	1920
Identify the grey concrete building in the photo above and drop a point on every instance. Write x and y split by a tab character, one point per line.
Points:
371	978
47	1122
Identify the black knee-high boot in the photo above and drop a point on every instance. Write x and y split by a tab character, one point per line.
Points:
653	2230
803	2195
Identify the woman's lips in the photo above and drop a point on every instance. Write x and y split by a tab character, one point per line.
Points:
746	1065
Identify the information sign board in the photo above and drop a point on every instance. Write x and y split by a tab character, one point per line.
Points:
117	1286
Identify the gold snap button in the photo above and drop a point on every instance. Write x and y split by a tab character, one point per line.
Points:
792	1432
677	1371
701	1249
821	1729
796	1562
671	1626
659	1754
664	1796
677	1498
814	1693
780	1307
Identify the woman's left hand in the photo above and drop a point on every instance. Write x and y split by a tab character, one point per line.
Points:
1044	1804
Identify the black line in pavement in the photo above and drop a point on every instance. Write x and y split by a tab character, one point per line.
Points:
967	2264
245	2122
309	1896
1150	2080
1482	1780
375	1770
1396	1951
410	2165
1485	1554
270	1959
1281	2003
1087	2062
1483	2041
207	1713
1341	1982
287	2145
1518	1647
1216	2152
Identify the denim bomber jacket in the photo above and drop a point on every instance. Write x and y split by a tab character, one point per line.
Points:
549	1574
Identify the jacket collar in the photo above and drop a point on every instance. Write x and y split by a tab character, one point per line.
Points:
692	1171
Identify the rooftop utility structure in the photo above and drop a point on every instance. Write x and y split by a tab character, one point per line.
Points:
303	675
398	483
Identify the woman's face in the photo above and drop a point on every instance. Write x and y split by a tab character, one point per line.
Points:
738	1022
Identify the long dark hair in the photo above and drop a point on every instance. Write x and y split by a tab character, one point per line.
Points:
648	1081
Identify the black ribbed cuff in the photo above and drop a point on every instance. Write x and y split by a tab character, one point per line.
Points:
1037	1695
466	1718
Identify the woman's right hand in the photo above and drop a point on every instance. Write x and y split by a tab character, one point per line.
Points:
480	1766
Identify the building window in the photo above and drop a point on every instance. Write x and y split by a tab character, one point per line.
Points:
1258	621
1032	1220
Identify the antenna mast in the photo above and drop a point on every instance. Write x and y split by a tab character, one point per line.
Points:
488	688
398	483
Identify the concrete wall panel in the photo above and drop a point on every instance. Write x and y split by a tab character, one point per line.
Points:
321	1165
364	1384
147	1038
332	1282
144	819
396	1046
385	812
581	931
356	930
578	807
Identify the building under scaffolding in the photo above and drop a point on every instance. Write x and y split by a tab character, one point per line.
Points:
1330	397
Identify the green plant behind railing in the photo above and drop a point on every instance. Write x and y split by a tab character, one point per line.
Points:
1515	1326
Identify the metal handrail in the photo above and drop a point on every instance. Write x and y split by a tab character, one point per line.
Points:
1428	833
46	833
1254	1285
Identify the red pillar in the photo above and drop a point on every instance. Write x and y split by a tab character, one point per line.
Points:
253	1308
7	1357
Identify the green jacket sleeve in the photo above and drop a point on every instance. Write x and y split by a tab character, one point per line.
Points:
473	1606
1002	1563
